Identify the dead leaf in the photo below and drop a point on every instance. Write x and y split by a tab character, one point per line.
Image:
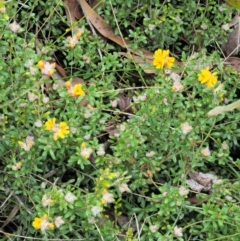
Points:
196	200
200	181
77	80
61	70
51	173
221	109
100	25
111	129
231	47
11	216
202	178
195	186
124	103
216	111
72	10
234	62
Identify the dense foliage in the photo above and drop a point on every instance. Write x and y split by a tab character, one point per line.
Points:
94	147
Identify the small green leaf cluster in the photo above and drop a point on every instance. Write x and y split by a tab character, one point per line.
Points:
180	25
120	168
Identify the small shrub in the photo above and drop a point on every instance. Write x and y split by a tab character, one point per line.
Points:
94	148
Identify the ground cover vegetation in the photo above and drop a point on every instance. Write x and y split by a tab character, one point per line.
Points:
119	120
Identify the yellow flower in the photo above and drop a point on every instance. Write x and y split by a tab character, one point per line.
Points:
64	129
207	78
77	90
42	223
49	69
177	86
49	125
79	32
17	166
68	84
51	72
85	152
46	67
40	64
37	223
20	143
107	197
72	41
78	35
161	59
50	225
74	91
59	130
83	146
